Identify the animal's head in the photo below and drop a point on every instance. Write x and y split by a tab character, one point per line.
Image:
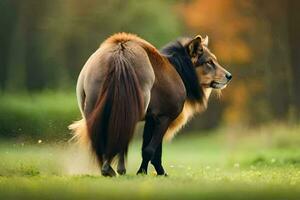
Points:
210	73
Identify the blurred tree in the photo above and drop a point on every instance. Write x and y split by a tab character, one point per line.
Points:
7	21
46	43
230	29
25	69
278	77
250	36
293	7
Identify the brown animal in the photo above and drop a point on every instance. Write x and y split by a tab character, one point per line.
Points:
128	80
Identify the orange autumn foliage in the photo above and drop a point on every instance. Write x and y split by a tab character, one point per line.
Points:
223	21
230	24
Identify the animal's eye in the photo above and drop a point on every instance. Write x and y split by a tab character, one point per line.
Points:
210	62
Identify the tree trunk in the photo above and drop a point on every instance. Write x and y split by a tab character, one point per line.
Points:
294	43
278	76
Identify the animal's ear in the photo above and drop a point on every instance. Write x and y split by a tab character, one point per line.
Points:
194	47
205	41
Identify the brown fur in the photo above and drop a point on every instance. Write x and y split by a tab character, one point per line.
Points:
128	80
118	108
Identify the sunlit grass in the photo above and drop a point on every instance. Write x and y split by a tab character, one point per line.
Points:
217	166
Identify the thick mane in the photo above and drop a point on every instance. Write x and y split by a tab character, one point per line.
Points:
179	58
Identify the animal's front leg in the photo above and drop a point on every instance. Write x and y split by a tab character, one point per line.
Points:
156	161
161	124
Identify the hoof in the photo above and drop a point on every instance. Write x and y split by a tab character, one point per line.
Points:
141	171
108	171
164	174
159	169
121	171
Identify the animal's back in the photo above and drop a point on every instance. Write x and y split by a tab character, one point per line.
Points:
134	53
121	45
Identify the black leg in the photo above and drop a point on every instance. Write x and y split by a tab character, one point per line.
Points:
107	170
147	135
161	124
156	161
121	169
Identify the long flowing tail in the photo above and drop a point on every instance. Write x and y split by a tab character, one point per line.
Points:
118	109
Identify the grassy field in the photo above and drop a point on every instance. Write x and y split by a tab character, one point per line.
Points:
265	164
37	115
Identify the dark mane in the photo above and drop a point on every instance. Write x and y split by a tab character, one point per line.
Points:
179	58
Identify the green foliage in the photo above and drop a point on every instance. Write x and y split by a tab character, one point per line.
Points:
42	116
199	167
51	41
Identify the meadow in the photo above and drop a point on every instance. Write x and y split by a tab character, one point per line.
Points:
262	163
245	146
41	115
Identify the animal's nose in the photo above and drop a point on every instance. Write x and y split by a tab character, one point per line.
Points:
228	76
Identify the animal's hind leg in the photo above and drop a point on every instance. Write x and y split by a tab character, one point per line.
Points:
121	169
106	169
147	135
156	161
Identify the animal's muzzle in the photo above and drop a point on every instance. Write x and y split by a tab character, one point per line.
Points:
221	85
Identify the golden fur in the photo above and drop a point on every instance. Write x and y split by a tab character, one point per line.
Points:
188	111
80	132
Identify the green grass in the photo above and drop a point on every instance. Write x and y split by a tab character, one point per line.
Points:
229	164
44	115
